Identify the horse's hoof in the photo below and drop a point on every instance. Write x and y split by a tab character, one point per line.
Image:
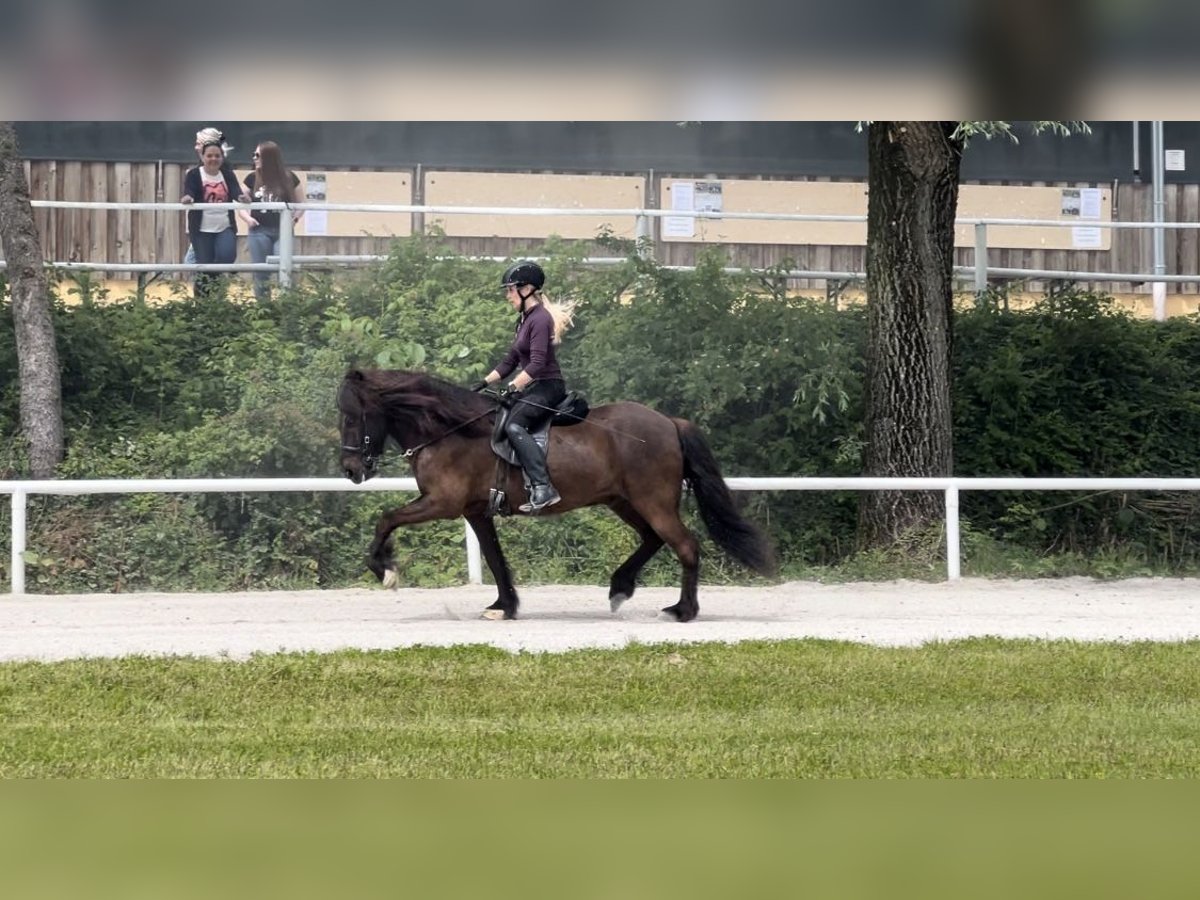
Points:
616	600
676	613
391	579
493	615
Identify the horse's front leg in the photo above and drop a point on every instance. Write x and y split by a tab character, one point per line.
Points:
489	542
379	557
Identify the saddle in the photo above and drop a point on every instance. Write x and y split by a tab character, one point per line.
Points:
572	410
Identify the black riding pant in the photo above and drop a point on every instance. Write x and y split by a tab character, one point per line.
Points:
526	417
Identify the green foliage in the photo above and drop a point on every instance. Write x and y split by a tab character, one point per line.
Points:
993	129
221	388
1076	387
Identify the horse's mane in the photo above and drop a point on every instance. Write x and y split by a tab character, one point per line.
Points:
424	406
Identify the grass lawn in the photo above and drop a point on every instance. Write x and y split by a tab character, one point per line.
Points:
798	709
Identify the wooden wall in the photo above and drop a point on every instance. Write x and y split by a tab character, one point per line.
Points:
159	236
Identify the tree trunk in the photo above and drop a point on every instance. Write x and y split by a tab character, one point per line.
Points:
37	353
913	197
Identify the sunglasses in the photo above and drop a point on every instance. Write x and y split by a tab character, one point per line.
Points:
255	154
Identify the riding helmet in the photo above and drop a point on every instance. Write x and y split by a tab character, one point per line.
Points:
524	272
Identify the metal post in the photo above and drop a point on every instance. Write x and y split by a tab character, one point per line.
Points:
287	231
474	569
1159	288
18	542
981	259
953	537
644	236
1137	153
416	219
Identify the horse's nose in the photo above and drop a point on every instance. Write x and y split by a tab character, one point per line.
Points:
354	476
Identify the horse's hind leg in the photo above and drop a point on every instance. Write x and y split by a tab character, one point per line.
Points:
624	580
489	542
666	522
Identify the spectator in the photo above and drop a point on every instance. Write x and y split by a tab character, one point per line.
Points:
213	232
203	136
270	182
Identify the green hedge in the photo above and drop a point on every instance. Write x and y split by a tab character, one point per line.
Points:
224	388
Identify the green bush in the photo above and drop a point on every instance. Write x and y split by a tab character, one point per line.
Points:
1076	387
224	388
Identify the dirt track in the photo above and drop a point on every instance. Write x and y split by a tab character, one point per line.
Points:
556	618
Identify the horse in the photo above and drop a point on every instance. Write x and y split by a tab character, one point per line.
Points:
623	455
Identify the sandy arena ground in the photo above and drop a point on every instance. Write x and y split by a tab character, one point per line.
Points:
557	618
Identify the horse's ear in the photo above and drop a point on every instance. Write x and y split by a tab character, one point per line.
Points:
355	375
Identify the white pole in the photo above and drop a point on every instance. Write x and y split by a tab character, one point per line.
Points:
1159	288
953	547
287	232
644	237
1137	153
18	542
474	569
981	257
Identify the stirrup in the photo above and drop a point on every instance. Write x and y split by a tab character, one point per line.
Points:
541	496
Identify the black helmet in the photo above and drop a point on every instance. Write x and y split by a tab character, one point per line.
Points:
524	272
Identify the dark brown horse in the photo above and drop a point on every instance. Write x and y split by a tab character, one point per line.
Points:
624	456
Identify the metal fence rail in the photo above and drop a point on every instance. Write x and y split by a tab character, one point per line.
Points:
951	487
288	262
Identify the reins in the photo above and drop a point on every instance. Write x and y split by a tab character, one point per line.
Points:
412	451
368	458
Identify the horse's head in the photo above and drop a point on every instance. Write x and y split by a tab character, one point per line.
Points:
364	429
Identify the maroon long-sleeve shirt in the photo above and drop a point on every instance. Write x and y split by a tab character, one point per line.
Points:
533	347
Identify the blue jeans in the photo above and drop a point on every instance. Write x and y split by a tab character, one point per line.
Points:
263	242
212	247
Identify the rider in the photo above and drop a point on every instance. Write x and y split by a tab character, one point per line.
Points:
540	327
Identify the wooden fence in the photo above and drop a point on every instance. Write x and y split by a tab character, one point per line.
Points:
125	236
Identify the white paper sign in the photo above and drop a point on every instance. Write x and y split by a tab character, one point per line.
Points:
683	198
1090	206
1084	237
316	221
1173	160
709	196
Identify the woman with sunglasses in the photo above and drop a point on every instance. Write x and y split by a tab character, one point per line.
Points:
270	182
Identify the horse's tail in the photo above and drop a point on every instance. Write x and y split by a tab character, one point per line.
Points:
732	533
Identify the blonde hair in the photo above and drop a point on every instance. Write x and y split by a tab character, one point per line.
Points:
562	312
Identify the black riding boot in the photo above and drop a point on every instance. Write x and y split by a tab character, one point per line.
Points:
533	461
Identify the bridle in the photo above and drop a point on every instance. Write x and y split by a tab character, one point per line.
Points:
371	460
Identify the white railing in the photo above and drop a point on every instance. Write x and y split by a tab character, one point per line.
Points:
951	487
287	261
